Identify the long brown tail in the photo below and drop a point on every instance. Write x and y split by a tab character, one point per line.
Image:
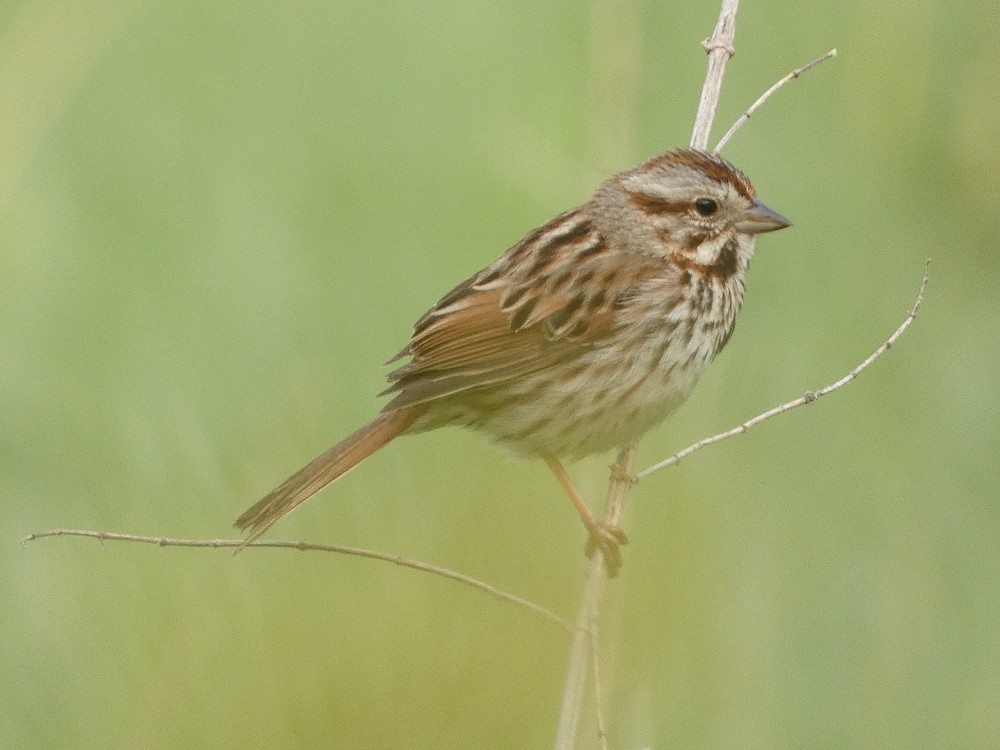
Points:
332	465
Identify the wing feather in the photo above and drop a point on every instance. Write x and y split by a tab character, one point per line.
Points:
506	323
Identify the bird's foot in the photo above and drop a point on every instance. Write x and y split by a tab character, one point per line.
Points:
608	539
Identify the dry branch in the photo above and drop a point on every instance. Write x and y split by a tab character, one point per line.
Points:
767	95
807	398
403	562
720	49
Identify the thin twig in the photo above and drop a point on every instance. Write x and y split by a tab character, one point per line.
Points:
576	672
806	398
767	95
620	484
161	541
720	49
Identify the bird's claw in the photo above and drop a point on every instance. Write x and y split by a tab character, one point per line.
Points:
608	539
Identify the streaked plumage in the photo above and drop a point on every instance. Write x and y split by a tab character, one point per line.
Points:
583	335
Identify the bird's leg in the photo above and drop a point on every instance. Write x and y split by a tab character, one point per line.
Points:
602	535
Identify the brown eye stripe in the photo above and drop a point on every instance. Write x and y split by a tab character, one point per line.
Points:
657	206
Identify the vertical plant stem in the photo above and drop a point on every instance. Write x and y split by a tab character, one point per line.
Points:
720	49
579	660
576	674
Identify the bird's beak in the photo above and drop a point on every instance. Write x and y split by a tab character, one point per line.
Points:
759	219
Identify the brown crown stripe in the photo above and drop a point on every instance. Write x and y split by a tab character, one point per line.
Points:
713	166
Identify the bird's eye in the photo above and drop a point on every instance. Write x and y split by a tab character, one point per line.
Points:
706	206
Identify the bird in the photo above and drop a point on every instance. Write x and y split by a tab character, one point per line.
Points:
579	338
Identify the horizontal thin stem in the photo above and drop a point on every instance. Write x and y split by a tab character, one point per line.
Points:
161	541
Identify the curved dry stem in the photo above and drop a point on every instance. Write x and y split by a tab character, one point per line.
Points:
767	95
807	398
161	541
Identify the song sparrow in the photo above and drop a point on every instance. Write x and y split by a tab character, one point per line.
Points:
579	338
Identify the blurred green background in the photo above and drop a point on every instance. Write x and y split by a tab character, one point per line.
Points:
217	219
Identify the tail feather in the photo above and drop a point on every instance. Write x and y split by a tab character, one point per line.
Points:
323	470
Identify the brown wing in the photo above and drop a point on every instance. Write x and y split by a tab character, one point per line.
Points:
472	347
546	300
